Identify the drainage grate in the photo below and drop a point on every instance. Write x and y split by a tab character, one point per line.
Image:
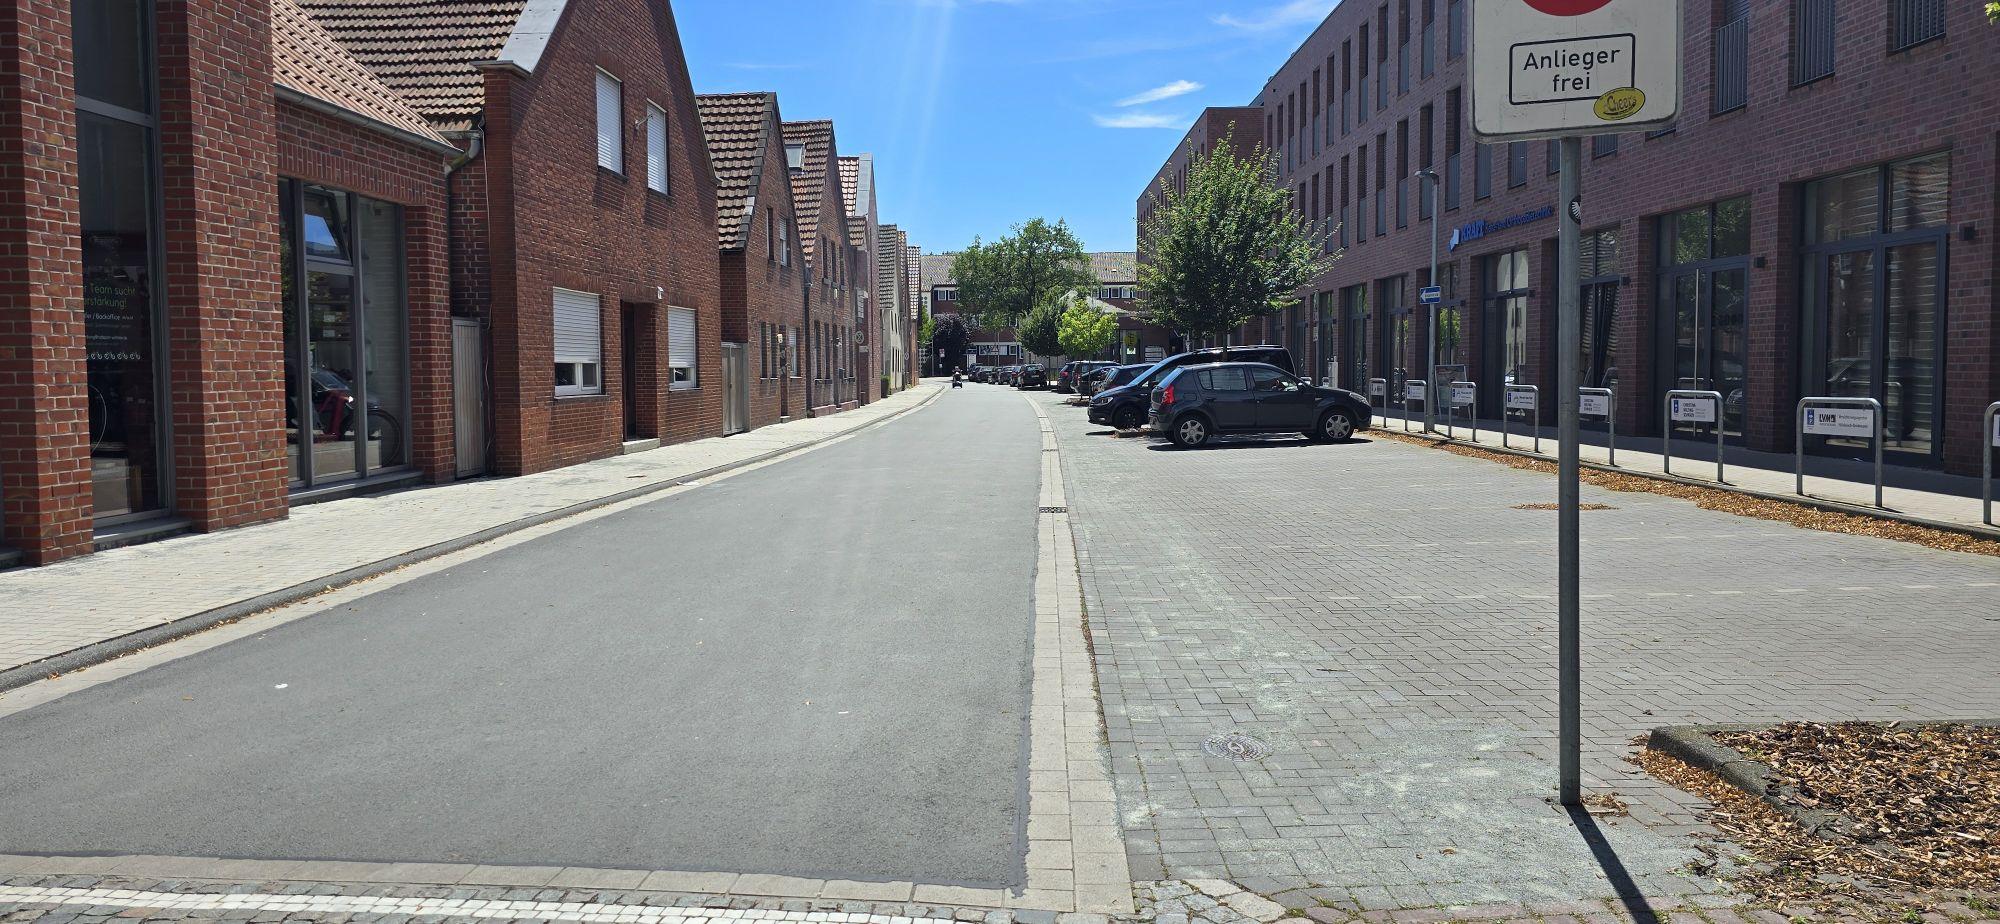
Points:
1055	509
1235	747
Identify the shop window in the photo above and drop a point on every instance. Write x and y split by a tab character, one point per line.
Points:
610	123
1507	303
579	343
1874	298
681	349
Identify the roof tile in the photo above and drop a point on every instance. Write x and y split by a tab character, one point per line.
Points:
307	59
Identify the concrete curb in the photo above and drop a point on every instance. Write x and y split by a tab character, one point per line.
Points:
1815	503
113	648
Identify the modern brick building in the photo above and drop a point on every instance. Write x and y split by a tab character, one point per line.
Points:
1820	222
763	275
226	273
1240	128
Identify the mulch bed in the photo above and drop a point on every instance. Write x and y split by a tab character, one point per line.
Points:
1925	802
1798	515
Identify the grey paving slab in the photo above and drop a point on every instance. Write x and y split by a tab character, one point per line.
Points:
764	674
1383	616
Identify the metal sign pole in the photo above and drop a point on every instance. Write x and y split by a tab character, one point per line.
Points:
1992	439
1569	348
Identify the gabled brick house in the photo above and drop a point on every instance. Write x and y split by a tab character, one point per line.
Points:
584	229
763	274
857	193
829	353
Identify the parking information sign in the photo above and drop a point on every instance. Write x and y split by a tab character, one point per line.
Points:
1520	400
1694	410
1413	392
1594	406
1857	422
1547	68
1462	396
1378	389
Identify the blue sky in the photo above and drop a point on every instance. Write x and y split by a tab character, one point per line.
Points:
984	113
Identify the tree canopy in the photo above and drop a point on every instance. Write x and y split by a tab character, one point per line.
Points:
1033	266
1231	248
1086	331
1039	331
950	335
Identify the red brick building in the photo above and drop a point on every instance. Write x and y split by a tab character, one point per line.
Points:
584	227
832	267
225	282
1820	222
1240	128
763	273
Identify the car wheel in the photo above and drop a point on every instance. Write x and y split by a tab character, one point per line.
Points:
1335	427
1128	418
1190	432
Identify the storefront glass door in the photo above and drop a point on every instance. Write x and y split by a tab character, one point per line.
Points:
1704	301
346	336
1355	339
1874	300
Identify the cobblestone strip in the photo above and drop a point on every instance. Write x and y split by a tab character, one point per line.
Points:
1073	832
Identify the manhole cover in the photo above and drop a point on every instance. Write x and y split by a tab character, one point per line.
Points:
1235	747
1055	509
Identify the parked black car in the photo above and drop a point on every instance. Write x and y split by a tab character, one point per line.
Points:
1111	377
1195	403
1125	407
1072	375
1032	375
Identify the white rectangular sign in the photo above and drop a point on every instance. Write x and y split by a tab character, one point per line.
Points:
1693	410
1413	392
1378	389
1549	68
1843	421
1463	396
1996	431
1593	406
1521	400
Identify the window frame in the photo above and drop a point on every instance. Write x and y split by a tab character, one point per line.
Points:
659	163
617	126
684	376
583	370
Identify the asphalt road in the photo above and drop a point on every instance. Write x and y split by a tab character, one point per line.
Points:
801	670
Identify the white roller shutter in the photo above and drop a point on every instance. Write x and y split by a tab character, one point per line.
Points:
681	347
610	133
656	148
579	343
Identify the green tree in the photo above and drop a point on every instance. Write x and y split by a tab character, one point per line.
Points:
1039	332
951	336
1231	248
1993	12
1085	331
1016	274
927	329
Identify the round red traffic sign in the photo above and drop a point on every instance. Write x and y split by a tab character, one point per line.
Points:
1568	7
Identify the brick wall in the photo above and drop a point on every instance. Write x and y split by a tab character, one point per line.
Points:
45	493
225	334
758	291
317	148
553	218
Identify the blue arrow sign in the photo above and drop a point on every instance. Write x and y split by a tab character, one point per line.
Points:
1430	295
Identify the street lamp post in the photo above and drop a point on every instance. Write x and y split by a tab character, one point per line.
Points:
1431	345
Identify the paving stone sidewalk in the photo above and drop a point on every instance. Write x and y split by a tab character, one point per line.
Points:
1383	617
47	612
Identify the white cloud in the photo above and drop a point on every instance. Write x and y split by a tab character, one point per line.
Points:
1156	94
1138	120
1295	13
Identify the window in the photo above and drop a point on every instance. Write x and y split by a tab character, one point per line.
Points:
1916	22
579	344
795	158
784	244
1402	174
1225	379
1429	55
656	149
1732	58
1482	170
1453	166
1517	164
1812	40
1454	16
1381	184
681	351
610	130
1262	379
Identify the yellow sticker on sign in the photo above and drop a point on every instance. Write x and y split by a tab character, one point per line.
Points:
1620	104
